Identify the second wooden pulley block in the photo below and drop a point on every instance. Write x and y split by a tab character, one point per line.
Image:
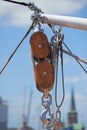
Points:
44	75
40	47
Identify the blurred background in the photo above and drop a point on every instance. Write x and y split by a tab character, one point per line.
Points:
18	93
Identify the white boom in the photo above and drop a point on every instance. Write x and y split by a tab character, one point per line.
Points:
65	21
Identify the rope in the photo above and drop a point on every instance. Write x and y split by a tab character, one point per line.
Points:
17	47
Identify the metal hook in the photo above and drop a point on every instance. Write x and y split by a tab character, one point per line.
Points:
47	122
43	117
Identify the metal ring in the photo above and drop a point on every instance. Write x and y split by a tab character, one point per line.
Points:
46	101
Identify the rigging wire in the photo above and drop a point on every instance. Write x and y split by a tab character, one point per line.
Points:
29	5
76	58
17	47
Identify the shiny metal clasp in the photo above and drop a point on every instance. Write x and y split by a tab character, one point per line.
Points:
47	118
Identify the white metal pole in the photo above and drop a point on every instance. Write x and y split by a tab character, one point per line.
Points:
65	21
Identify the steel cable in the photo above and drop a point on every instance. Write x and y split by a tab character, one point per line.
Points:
17	47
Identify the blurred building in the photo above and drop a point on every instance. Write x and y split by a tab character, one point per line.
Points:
12	129
73	123
3	114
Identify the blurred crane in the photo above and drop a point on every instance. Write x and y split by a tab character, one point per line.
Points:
26	112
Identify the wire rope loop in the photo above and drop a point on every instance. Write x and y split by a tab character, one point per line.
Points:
46	101
59	105
56	75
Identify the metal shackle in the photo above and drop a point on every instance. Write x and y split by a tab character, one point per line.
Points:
46	101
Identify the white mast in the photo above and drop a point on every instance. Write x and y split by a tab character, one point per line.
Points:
65	21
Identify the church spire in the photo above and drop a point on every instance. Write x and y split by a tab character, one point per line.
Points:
72	106
72	114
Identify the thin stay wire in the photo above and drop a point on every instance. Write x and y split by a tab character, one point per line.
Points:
75	58
17	47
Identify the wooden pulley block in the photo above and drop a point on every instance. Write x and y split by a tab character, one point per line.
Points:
40	47
44	75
